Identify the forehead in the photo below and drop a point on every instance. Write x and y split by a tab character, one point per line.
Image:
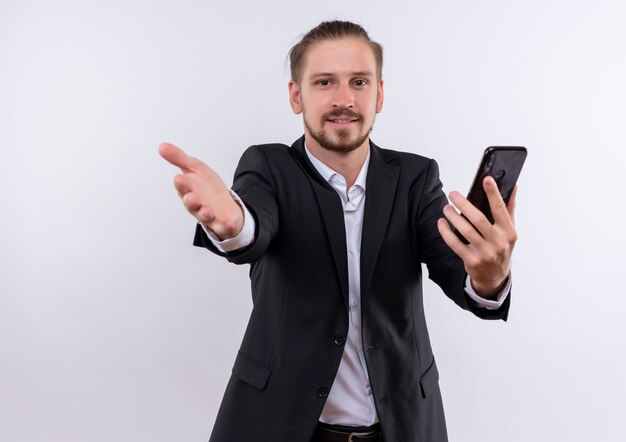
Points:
339	56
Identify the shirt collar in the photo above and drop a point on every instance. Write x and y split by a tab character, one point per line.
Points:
327	173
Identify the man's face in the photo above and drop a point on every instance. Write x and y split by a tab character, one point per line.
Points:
339	94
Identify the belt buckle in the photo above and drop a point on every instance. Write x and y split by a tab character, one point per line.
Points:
355	434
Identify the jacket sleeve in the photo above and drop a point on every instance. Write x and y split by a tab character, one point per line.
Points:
445	268
254	184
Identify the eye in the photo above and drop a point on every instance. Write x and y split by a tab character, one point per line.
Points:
323	82
360	83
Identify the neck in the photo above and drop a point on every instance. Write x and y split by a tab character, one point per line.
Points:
347	164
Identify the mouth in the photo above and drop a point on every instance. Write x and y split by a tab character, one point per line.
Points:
342	121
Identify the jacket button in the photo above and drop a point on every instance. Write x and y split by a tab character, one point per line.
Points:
322	391
339	339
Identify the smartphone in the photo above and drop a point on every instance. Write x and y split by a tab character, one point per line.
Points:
504	164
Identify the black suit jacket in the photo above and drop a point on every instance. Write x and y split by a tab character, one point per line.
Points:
294	340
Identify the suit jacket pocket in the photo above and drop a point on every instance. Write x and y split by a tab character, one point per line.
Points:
251	372
429	380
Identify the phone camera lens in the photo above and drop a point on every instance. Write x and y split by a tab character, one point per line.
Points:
490	163
499	175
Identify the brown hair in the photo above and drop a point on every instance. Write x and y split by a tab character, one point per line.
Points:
331	30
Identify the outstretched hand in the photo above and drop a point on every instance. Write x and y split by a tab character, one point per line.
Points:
204	193
487	257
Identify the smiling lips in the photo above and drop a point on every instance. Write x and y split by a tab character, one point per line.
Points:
342	120
342	116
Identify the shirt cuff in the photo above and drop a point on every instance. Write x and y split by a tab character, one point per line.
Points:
242	239
488	304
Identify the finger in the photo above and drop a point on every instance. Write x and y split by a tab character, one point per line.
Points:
175	156
192	202
478	219
451	239
205	215
512	202
463	226
182	185
496	203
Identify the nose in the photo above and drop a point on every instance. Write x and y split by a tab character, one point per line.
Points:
344	96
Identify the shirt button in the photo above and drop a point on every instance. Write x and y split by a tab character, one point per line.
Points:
322	391
339	339
354	303
368	391
349	256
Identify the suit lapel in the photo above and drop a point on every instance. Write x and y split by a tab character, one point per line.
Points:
332	213
381	184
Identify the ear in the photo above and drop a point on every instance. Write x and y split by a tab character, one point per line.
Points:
380	95
295	99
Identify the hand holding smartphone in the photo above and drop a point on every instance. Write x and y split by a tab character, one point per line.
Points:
504	164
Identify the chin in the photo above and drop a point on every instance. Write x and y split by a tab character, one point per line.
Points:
343	145
339	140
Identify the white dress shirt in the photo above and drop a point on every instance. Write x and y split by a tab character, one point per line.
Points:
350	401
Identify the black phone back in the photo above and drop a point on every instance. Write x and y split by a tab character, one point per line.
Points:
504	164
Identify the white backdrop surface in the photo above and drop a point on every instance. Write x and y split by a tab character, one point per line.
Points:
114	328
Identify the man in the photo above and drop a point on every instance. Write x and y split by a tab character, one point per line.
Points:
335	228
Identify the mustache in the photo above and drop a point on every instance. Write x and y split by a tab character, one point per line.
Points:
342	112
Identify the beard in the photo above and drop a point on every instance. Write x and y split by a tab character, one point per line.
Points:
344	144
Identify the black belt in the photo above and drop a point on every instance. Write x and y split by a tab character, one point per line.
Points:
337	433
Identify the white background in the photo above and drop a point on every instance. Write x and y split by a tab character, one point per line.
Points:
114	328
